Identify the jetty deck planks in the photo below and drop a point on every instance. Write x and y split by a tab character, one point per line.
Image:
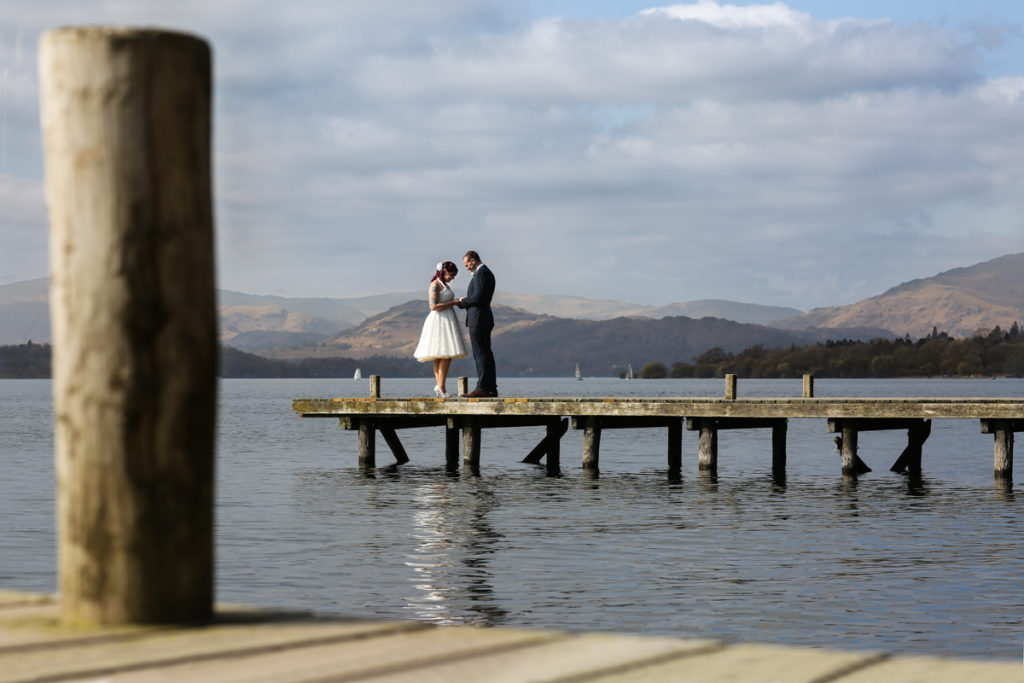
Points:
257	645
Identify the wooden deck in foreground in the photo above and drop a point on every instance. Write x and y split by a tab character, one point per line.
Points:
1000	417
253	645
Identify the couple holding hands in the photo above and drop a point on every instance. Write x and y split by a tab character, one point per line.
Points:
441	339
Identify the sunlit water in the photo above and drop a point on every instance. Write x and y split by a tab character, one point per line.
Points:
886	561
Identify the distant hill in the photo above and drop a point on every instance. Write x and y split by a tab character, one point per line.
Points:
530	344
958	302
394	332
257	322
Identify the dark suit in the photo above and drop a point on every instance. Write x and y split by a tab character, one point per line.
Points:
480	321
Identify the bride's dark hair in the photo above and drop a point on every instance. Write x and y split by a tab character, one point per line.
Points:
445	267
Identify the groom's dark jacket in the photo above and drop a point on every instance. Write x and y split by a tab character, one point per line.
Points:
478	299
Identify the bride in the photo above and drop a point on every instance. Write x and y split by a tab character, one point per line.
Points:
441	339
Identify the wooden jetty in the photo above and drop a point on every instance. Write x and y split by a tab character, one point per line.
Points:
239	644
847	417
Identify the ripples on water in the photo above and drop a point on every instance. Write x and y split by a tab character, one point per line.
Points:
930	564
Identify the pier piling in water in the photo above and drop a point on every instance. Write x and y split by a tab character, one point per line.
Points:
846	416
126	128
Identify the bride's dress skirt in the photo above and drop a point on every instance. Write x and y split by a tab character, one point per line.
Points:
441	337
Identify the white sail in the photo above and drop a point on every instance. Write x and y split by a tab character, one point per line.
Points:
629	372
358	375
578	374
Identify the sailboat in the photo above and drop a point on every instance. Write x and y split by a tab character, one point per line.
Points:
578	375
358	376
629	371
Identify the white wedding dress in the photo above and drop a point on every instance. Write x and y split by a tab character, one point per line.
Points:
441	336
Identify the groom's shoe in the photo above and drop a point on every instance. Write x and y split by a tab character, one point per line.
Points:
478	393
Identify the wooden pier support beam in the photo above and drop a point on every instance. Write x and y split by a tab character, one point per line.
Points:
707	454
451	445
126	127
591	443
1002	432
918	430
675	446
550	445
707	449
730	387
367	445
910	458
808	386
593	426
779	433
463	385
395	444
374	386
471	444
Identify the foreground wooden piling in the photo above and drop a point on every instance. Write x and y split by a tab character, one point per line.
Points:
126	127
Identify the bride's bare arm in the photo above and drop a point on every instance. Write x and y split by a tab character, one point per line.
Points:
432	298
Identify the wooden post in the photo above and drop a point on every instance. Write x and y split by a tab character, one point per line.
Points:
1003	452
707	453
848	448
374	386
463	383
470	443
779	445
1002	431
554	432
808	386
367	444
730	387
591	444
395	444
451	445
910	458
675	446
126	129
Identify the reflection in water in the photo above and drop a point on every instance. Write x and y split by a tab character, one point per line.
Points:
451	558
916	484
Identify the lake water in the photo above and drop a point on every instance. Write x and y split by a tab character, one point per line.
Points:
928	564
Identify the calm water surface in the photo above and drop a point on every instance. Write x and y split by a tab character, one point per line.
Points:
931	564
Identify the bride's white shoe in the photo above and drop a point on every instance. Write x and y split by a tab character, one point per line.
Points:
438	392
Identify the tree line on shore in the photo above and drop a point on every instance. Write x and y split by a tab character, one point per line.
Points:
996	352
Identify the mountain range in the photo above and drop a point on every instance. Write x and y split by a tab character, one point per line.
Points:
559	330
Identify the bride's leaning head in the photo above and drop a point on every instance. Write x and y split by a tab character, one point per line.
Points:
445	271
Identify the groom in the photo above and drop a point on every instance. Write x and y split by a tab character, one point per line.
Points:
480	322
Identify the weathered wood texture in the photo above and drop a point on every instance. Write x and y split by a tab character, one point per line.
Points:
1000	416
979	408
249	645
126	129
730	387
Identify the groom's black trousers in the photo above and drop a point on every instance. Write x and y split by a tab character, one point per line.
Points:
480	338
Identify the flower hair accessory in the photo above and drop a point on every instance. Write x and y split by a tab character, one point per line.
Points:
438	266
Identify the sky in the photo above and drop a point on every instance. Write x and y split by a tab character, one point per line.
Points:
803	154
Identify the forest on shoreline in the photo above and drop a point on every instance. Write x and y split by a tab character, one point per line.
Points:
994	353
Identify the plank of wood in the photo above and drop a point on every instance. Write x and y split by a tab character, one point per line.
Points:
747	663
416	655
936	670
582	658
17	598
59	656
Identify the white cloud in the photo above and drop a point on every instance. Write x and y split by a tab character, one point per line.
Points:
699	150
